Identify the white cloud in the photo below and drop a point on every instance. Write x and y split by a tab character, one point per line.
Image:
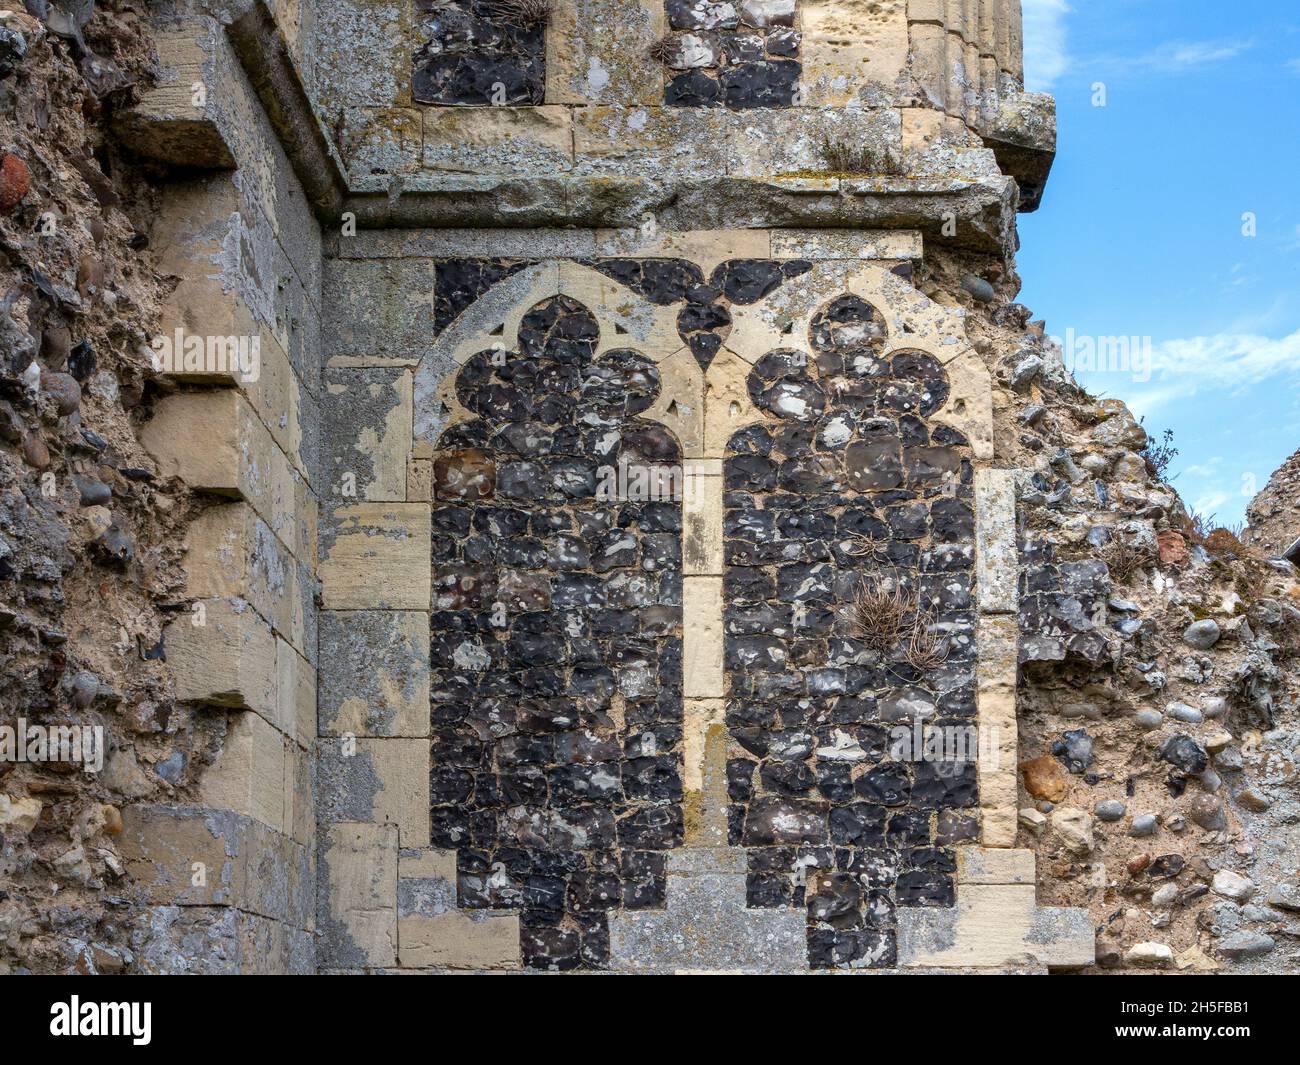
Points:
1293	65
1045	49
1210	503
1226	362
1171	58
1179	55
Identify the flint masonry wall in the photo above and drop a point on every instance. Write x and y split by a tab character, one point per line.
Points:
527	724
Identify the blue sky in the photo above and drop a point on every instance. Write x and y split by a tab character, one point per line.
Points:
1142	232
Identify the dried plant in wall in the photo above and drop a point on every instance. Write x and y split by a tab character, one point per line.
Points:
926	649
882	613
1125	560
661	50
528	14
841	157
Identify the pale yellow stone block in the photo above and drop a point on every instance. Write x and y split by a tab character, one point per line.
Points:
969	408
248	775
926	10
996	640
221	653
456	940
993	926
231	553
178	856
997	566
402	767
216	443
498	140
379	558
702	638
425	863
296	694
982	865
598	51
727	406
386	447
889	245
702	510
848	44
680	403
929	54
360	867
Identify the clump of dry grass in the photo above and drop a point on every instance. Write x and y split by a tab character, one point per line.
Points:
662	49
926	650
882	614
527	14
1125	561
863	545
841	157
885	615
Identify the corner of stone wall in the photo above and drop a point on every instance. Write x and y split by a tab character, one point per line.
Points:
230	876
997	923
387	900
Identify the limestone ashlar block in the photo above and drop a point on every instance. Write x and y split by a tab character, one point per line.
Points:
357	909
369	61
433	933
1002	31
377	312
295	694
994	926
774	141
459	940
929	53
997	567
374	678
368	419
890	246
382	140
376	557
852	50
702	536
927	11
1016	42
997	639
983	865
214	442
375	780
587	63
169	123
969	408
955	17
207	332
299	794
499	140
248	775
231	553
702	638
222	654
186	855
652	141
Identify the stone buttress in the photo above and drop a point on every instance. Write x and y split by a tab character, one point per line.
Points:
595	337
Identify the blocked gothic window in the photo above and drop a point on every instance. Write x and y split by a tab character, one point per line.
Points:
481	52
738	54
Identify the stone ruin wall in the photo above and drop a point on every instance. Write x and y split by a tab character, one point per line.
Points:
390	683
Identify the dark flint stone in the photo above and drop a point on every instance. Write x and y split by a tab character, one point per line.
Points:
1186	754
693	89
761	84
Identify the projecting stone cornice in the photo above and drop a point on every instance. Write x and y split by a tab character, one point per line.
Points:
596	165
